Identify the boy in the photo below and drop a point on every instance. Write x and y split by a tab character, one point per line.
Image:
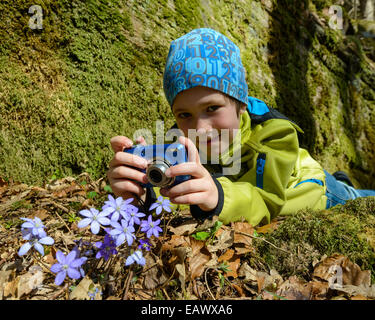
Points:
204	83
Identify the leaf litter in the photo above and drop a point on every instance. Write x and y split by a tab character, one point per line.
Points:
190	261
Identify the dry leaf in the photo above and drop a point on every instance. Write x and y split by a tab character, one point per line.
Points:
319	290
233	261
85	287
42	214
295	289
366	291
199	257
153	276
249	273
186	228
5	277
242	241
268	228
339	269
224	241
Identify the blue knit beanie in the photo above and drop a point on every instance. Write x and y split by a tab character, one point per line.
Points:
204	57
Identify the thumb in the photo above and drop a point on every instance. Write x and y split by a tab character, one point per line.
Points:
118	143
141	140
193	154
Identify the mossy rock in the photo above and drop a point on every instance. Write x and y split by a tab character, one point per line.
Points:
345	229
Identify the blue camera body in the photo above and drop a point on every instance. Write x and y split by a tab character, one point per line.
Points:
160	157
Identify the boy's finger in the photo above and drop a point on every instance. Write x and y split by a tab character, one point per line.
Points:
118	143
187	168
193	154
121	187
128	159
189	186
141	140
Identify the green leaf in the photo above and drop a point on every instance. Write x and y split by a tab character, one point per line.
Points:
216	227
107	188
91	194
202	235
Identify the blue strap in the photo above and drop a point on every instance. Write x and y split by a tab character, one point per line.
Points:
320	182
256	106
261	162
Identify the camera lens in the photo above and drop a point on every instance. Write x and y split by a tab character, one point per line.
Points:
156	173
155	176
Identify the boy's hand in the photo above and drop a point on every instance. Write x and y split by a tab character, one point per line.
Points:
200	190
120	174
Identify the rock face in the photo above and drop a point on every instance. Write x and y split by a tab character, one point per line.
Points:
95	68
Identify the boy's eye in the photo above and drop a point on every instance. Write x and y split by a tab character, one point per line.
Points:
183	115
212	108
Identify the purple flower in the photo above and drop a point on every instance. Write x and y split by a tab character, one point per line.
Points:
107	247
144	244
133	216
117	207
67	265
36	243
161	204
136	257
122	231
78	256
151	227
94	218
35	226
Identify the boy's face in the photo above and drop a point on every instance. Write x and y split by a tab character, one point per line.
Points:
208	111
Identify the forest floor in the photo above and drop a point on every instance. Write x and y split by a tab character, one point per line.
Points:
208	261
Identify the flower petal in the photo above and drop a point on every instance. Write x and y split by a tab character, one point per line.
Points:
78	262
95	227
86	213
73	273
47	240
70	257
84	222
104	221
57	267
60	257
153	206
105	213
120	239
167	208
115	232
27	225
129	261
24	249
38	247
116	225
60	277
159	210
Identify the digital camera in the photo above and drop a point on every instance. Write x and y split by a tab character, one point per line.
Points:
160	157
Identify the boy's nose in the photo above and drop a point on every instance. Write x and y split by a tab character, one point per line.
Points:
203	126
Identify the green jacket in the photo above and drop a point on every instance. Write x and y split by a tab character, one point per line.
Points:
288	178
291	178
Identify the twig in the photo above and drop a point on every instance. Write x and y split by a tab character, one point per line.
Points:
127	285
165	292
59	292
205	279
254	237
63	209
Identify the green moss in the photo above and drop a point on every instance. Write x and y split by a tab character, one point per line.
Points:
307	235
95	71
